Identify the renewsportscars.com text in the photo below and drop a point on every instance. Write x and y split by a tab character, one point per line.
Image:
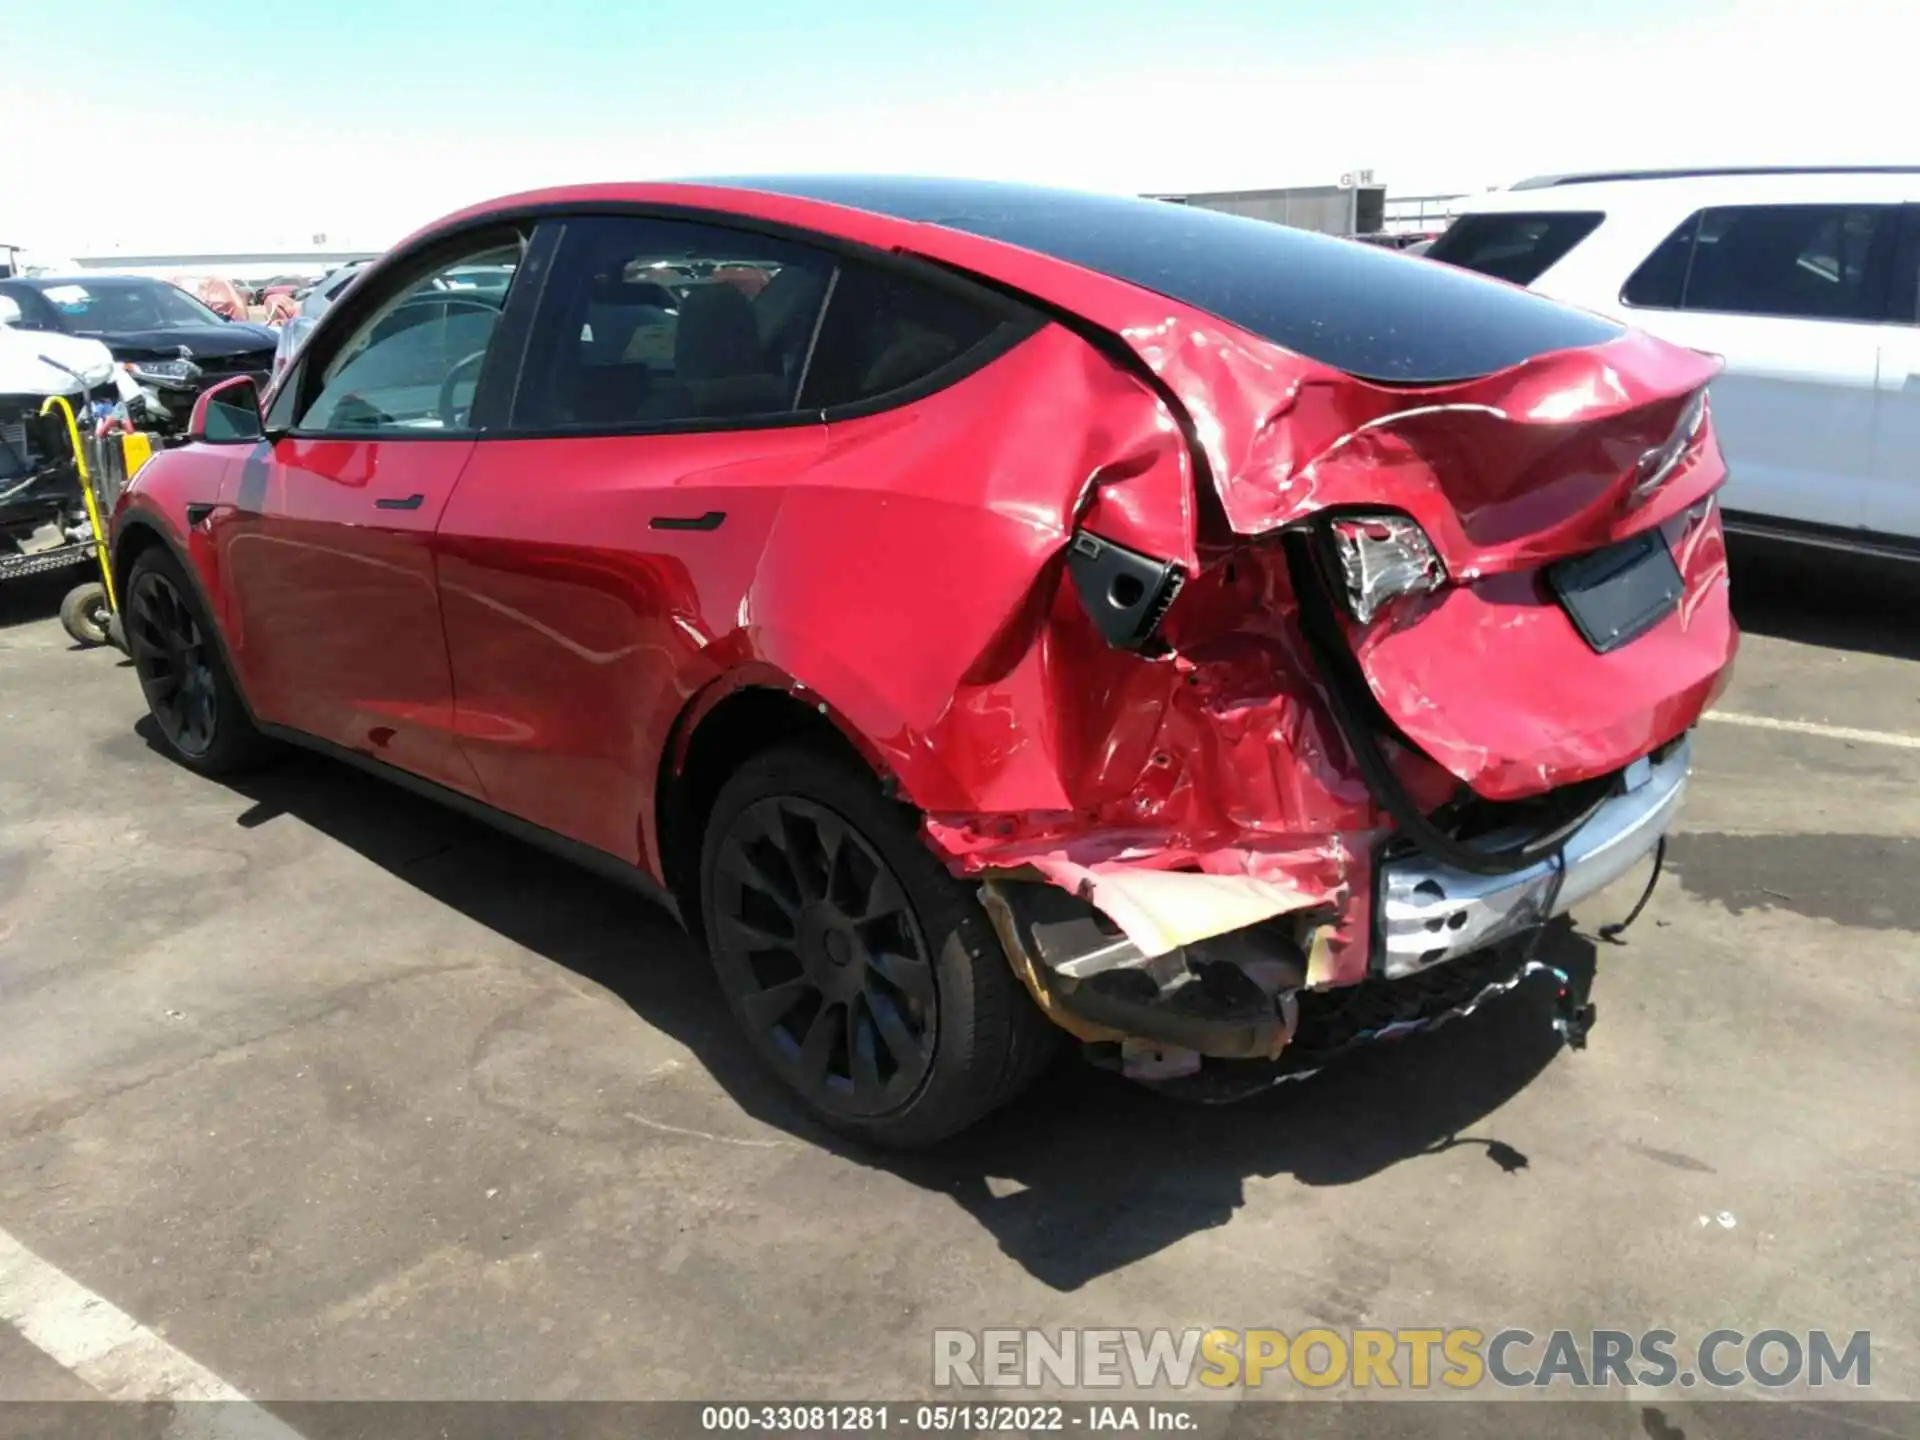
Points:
1457	1358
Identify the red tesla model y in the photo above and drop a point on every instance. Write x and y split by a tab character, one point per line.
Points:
983	612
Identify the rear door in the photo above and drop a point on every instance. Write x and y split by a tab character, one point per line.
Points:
1790	296
1893	492
328	539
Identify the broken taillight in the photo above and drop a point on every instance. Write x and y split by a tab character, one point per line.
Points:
1661	461
1383	557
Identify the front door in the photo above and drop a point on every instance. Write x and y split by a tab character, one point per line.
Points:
327	545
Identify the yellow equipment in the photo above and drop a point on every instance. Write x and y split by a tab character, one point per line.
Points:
89	607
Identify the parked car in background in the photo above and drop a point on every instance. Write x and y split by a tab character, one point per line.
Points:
1394	240
288	285
223	297
1006	612
170	343
1802	280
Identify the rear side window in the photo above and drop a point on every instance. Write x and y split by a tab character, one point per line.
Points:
658	323
1662	277
1822	262
1520	248
886	332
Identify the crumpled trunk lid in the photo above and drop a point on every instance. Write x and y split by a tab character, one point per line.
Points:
1491	679
1508	475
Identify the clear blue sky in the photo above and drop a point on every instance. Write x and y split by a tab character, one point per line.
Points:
561	62
368	116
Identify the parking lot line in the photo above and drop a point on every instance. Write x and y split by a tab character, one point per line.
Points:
96	1340
1825	732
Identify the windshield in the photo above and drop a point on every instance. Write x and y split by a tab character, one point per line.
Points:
108	307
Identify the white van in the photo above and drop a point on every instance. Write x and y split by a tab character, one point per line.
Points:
1804	281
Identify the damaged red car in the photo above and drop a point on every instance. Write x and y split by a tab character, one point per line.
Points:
1016	612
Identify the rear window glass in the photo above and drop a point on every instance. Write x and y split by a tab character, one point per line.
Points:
1519	248
1370	312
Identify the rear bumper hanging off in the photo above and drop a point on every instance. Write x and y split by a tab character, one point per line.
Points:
1430	912
1241	995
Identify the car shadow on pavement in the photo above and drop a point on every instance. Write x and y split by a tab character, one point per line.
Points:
1084	1174
1816	597
1090	1173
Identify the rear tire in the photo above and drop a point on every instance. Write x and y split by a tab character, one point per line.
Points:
183	673
867	977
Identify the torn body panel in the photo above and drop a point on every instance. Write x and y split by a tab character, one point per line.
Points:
1209	790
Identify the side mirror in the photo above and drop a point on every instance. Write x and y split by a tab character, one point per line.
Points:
228	414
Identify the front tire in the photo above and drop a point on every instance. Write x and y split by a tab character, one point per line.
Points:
191	695
865	976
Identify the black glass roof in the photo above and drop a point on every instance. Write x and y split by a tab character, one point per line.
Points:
1359	308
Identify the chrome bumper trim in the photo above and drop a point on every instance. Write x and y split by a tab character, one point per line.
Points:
1431	913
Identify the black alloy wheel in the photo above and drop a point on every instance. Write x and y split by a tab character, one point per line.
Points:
864	973
183	672
171	655
822	958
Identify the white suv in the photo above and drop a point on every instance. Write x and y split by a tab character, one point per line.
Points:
1802	280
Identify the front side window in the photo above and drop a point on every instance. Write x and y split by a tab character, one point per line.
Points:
658	323
414	364
1519	248
1824	262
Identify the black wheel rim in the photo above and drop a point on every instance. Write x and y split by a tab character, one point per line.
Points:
170	655
822	957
